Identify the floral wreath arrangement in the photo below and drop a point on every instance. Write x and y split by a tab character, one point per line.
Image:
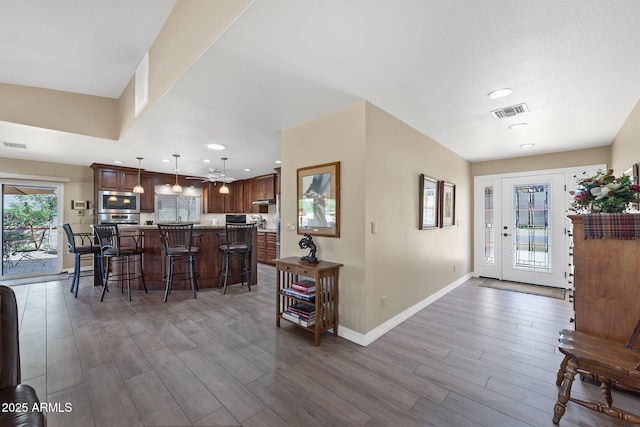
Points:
604	193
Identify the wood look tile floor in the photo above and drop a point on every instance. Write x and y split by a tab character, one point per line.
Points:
476	357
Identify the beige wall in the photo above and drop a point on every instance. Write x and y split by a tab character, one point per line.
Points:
404	263
566	159
78	187
381	160
625	149
339	136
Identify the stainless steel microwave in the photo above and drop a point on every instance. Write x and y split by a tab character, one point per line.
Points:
116	202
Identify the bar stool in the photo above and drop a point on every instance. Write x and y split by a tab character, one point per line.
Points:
81	245
177	246
235	242
113	251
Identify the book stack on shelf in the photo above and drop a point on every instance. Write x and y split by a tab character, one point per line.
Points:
302	313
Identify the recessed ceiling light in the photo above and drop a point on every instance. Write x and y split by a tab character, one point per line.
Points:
529	145
278	161
117	162
518	126
207	161
499	93
247	169
216	147
166	160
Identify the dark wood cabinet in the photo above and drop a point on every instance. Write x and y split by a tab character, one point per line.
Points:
225	203
262	247
215	200
266	247
277	178
247	197
108	179
234	202
270	248
116	179
263	187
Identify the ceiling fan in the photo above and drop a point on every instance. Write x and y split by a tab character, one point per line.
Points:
214	176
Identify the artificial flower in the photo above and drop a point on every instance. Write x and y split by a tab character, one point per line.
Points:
605	193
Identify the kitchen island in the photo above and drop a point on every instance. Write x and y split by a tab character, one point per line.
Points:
208	259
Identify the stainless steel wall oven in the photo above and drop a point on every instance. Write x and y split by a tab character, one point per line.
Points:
118	207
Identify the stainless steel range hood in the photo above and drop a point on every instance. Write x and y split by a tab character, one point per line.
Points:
265	202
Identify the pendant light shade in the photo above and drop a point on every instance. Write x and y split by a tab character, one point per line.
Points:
138	188
176	187
224	189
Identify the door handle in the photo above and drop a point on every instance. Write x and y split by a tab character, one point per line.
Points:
506	234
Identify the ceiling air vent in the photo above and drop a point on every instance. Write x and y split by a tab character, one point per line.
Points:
509	111
14	145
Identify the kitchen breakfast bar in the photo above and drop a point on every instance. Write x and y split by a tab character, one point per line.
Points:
208	260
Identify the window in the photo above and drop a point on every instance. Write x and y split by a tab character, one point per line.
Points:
184	207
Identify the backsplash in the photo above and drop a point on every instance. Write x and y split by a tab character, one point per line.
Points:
271	218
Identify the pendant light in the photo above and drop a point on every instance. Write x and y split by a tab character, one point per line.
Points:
176	187
138	188
224	189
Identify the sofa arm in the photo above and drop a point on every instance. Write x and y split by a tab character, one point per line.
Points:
20	406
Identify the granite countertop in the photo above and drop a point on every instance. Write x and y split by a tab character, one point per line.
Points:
155	227
199	226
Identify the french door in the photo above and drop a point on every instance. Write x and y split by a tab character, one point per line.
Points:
520	228
30	244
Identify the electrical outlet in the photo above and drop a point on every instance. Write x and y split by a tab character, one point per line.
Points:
383	301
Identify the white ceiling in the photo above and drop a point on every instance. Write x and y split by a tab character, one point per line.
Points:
283	62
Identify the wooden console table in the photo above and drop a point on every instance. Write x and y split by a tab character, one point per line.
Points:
325	301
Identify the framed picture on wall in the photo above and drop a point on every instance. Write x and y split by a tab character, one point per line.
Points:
448	203
429	203
319	200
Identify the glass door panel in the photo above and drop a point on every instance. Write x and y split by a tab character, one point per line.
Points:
533	222
29	231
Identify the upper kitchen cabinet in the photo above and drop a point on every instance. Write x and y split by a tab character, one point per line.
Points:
225	203
234	202
264	187
215	200
247	196
147	199
277	180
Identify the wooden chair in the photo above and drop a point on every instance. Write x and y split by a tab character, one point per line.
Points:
609	363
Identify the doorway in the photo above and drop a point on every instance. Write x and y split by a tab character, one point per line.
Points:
30	244
521	226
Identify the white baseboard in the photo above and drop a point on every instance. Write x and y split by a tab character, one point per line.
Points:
374	334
